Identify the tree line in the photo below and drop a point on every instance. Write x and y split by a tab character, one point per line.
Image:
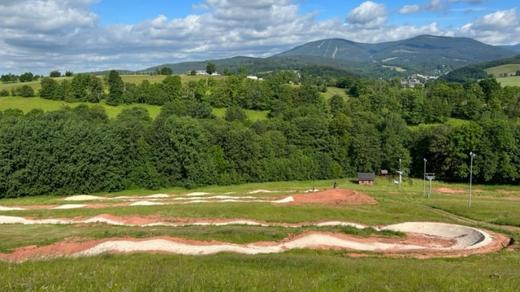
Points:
305	137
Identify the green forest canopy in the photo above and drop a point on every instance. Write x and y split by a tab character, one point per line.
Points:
306	137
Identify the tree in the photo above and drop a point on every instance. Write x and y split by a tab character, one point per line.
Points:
8	78
211	68
49	88
193	73
517	73
235	113
23	91
26	77
166	71
116	87
172	86
69	74
55	74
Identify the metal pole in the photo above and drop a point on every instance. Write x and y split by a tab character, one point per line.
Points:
424	178
430	195
472	156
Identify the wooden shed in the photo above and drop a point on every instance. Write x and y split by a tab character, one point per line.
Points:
366	178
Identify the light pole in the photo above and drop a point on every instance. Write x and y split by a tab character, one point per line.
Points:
472	156
424	177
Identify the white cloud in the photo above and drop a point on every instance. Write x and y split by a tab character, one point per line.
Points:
500	27
41	35
369	14
437	5
407	9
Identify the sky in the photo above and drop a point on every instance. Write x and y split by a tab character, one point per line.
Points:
90	35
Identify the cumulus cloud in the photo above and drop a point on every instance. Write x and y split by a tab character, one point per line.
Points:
500	27
407	9
436	6
369	15
42	35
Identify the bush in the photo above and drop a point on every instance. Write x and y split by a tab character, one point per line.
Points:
4	92
23	91
235	113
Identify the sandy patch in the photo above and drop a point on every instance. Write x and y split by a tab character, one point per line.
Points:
11	208
261	192
145	203
80	198
197	194
286	200
335	197
69	206
158	196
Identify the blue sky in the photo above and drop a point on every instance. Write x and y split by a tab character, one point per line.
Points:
80	35
133	11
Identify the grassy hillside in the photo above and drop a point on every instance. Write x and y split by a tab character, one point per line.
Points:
136	79
508	69
509	81
28	104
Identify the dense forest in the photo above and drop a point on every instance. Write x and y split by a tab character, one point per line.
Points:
306	137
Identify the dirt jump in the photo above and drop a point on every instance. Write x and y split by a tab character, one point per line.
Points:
422	240
328	197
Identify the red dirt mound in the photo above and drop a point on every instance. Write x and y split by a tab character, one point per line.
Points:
335	197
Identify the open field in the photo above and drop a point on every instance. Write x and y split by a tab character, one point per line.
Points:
31	103
252	115
494	208
136	79
450	121
509	81
503	69
331	91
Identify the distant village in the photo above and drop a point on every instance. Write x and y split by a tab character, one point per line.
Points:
416	80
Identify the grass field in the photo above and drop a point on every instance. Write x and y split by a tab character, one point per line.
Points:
331	91
27	104
252	115
509	81
136	79
450	121
503	69
494	207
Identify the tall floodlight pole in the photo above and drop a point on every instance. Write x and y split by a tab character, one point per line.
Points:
472	156
424	177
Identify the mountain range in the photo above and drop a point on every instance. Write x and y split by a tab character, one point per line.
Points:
426	54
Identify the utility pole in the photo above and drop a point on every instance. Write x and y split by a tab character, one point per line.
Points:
424	177
472	156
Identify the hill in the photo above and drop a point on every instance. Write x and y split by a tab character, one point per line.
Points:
502	68
425	54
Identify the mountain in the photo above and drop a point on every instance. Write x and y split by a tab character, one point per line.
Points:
423	53
426	54
515	48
